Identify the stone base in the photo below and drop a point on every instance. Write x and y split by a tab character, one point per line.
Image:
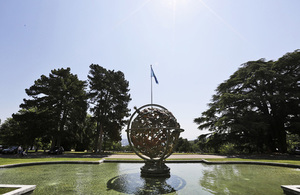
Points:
291	189
21	189
155	169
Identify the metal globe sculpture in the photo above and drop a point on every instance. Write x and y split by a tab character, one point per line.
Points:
153	132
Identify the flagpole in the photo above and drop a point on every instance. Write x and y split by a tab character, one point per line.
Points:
151	85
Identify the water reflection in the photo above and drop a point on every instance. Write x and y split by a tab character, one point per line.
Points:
246	179
134	184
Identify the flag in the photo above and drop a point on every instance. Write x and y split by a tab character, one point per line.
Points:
153	75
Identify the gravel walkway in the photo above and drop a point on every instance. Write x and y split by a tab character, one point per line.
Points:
173	156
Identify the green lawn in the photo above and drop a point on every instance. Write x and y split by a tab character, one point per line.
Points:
294	162
14	160
7	161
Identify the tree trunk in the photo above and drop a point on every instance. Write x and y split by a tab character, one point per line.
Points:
53	143
282	142
61	127
101	138
98	140
281	137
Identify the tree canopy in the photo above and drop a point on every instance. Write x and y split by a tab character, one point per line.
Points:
56	111
60	99
109	98
257	106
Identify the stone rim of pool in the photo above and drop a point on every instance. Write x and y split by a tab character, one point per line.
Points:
291	189
140	161
21	189
169	161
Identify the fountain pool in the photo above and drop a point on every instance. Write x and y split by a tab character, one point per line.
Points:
124	178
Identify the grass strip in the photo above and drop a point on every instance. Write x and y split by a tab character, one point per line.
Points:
8	161
294	162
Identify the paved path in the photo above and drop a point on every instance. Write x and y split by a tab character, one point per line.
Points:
173	156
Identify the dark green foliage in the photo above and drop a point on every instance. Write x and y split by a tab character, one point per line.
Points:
60	103
84	137
56	112
127	148
33	125
10	132
109	96
183	145
257	106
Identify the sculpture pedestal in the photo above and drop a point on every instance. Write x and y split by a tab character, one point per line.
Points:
155	169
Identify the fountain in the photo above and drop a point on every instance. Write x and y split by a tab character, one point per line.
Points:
124	178
153	132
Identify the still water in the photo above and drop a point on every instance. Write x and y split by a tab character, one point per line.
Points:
124	178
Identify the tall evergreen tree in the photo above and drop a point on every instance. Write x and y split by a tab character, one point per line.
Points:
257	105
109	96
30	124
10	133
61	98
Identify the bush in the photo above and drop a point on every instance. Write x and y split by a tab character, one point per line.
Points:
228	148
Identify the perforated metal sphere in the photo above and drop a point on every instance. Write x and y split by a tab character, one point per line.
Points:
153	132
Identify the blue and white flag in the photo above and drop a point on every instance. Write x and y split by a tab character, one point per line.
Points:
153	75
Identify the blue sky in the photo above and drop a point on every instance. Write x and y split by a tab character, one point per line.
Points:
193	45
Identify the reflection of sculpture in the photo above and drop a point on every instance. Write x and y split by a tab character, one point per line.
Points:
153	132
